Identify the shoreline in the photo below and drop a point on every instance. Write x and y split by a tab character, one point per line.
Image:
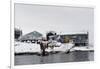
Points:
54	52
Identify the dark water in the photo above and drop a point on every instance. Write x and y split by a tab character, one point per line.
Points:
54	58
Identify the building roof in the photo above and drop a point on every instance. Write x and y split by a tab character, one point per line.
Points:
73	33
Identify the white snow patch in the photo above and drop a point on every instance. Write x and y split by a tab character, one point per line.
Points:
85	48
26	47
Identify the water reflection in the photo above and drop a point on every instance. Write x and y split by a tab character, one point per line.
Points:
54	58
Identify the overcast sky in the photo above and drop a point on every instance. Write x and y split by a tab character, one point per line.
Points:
60	19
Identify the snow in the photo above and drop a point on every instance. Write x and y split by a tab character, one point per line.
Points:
21	47
62	48
32	47
86	48
26	47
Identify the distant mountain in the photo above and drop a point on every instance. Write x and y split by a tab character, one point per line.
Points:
32	35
